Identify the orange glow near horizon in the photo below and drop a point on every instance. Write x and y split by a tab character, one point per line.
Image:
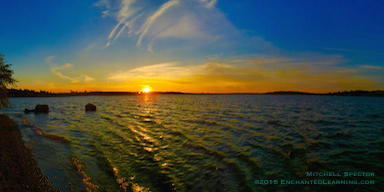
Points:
146	90
196	88
216	77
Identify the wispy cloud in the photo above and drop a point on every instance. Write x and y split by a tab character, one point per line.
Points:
153	18
91	46
194	21
150	48
371	67
65	66
209	3
267	75
55	70
172	70
150	71
267	61
87	78
49	59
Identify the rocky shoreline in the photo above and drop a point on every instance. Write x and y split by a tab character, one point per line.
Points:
18	168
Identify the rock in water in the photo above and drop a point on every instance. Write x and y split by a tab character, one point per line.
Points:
42	109
90	107
38	109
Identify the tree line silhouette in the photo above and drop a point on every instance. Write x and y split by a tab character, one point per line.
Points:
31	93
377	93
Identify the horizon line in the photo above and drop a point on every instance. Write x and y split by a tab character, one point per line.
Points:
179	92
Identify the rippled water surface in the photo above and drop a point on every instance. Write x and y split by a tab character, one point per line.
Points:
204	142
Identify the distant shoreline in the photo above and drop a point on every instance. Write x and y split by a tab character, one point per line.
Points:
31	93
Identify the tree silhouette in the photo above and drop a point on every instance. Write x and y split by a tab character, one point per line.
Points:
5	79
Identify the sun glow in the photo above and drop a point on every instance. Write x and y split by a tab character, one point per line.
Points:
146	90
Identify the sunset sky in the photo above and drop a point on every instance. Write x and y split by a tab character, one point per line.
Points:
194	46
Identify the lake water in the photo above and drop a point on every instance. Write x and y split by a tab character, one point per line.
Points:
205	142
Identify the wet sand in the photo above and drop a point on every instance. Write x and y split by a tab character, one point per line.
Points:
18	168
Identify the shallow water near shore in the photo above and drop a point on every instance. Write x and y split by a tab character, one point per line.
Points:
204	142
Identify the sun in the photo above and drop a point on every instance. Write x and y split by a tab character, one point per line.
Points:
146	90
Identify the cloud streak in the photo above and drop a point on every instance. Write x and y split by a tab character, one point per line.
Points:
371	67
193	21
55	70
91	46
259	75
65	66
150	48
153	17
209	3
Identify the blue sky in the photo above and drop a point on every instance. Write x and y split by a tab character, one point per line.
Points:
194	45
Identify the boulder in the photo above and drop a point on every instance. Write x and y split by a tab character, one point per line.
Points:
90	107
42	109
38	109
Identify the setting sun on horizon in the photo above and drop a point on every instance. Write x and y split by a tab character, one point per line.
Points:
146	90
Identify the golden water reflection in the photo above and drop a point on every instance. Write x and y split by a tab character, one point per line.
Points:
146	99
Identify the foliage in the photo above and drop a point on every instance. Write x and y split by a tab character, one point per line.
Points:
5	79
29	93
